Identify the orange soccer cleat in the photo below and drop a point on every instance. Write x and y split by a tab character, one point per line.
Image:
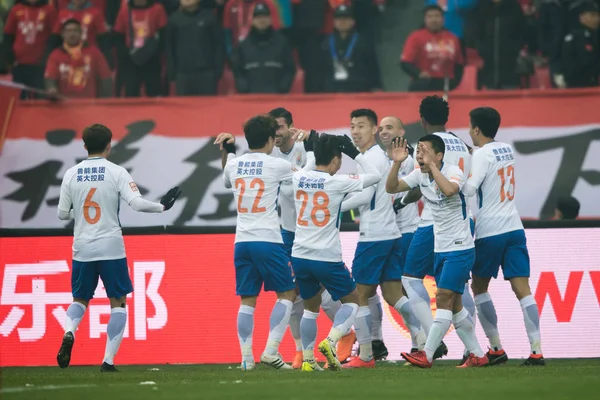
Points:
344	346
496	357
356	362
474	361
535	359
298	359
418	359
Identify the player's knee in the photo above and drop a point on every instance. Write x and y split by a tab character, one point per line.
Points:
288	295
521	287
352	297
444	299
364	293
81	301
313	304
117	302
392	292
248	301
479	285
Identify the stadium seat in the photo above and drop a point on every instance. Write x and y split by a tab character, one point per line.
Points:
469	80
298	85
227	83
473	58
541	79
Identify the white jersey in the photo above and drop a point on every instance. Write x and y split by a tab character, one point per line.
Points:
255	179
297	157
94	189
451	226
318	199
377	217
493	178
407	218
457	154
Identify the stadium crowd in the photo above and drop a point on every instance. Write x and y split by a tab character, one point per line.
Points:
105	48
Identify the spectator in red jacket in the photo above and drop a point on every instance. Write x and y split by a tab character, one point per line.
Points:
26	35
432	54
237	20
90	17
77	69
139	35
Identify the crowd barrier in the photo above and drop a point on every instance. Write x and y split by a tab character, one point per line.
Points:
183	308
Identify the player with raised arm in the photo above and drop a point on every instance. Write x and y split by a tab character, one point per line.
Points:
434	112
317	251
500	235
407	216
378	256
91	194
287	148
259	255
454	253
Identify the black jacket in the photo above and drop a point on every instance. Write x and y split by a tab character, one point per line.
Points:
194	43
361	64
581	58
263	63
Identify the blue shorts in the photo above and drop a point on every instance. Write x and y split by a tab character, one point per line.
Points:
258	262
508	250
405	244
288	241
452	269
378	262
334	276
114	275
419	260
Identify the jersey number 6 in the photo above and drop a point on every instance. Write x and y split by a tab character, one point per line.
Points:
87	204
320	203
256	183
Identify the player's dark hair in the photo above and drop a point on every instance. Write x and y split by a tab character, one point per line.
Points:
568	206
326	148
365	112
259	129
486	119
281	112
434	110
433	7
69	22
96	137
437	143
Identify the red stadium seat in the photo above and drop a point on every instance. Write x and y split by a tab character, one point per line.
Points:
227	83
469	80
298	85
541	79
473	58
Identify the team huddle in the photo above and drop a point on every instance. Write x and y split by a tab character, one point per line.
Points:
290	198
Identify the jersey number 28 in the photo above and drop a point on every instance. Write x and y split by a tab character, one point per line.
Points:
320	202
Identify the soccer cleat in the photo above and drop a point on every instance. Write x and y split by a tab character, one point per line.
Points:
344	346
497	357
380	352
441	351
328	351
297	364
418	359
534	359
473	361
106	367
274	361
247	365
311	366
412	350
63	358
463	360
356	362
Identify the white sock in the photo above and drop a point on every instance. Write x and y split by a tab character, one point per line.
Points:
344	319
419	301
469	304
376	317
280	318
441	324
403	308
75	313
329	306
531	317
245	328
295	318
362	326
488	319
465	329
308	327
114	333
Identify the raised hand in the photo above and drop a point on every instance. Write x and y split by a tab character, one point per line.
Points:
299	135
398	150
427	154
226	141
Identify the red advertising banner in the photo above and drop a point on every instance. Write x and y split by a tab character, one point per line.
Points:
184	308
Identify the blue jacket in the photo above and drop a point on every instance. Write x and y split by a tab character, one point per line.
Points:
454	20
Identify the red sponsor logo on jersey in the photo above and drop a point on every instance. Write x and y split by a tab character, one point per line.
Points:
353	176
133	186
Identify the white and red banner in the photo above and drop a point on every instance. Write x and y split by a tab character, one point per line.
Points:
184	309
167	142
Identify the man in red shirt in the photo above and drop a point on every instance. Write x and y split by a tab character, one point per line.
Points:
237	20
77	69
139	35
90	17
26	35
431	54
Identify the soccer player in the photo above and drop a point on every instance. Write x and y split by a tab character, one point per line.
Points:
259	255
407	215
434	113
287	148
317	251
378	256
500	235
90	194
454	252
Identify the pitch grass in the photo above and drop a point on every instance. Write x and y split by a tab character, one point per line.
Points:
560	379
